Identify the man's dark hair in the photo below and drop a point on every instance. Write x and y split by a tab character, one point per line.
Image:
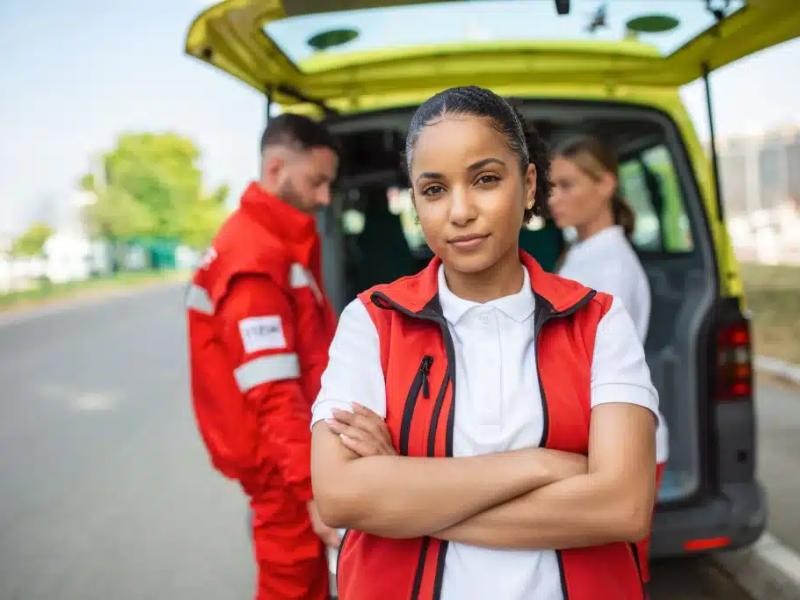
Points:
298	132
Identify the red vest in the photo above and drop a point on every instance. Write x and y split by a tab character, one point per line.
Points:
268	237
417	358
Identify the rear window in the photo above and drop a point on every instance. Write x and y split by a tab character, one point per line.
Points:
650	185
662	26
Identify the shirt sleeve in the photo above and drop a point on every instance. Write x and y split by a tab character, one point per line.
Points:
257	329
619	370
354	372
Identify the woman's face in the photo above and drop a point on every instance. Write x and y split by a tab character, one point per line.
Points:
469	193
576	198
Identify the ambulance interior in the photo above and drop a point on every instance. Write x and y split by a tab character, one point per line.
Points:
371	236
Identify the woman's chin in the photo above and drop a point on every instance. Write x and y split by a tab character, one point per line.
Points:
469	264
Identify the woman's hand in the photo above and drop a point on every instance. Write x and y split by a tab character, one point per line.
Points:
362	431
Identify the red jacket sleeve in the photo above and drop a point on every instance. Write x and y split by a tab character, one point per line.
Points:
257	328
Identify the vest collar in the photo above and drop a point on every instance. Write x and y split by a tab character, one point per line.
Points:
518	306
419	294
280	218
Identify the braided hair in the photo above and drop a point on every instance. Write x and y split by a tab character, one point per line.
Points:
521	138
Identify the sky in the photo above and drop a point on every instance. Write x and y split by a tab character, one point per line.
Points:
79	73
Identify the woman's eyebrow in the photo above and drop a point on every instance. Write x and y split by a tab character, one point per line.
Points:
482	163
473	167
429	175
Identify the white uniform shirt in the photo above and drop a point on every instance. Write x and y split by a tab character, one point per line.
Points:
606	262
497	408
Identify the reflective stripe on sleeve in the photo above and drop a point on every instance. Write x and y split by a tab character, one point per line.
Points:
298	276
266	369
197	298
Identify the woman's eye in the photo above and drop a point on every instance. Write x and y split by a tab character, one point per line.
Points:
488	179
432	190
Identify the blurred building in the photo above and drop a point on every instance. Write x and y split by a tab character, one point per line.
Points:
761	190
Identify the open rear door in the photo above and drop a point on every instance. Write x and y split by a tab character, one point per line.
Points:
265	43
755	26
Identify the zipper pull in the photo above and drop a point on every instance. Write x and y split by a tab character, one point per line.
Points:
425	369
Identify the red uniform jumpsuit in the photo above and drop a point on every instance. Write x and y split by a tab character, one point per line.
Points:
259	330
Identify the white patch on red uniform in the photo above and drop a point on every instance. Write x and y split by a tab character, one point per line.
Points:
262	333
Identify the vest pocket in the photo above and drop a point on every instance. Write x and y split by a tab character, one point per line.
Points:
420	383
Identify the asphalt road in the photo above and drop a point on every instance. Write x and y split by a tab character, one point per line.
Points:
778	411
105	491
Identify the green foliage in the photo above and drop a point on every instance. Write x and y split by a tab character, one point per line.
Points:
119	216
87	183
153	187
32	241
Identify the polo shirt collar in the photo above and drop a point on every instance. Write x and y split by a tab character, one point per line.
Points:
518	307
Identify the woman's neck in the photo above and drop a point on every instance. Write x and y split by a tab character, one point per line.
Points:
603	221
504	278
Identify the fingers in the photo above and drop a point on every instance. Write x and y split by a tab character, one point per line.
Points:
365	420
331	538
362	431
363	410
361	447
369	443
337	427
374	419
344	416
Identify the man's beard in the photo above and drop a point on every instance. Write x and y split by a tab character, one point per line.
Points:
290	195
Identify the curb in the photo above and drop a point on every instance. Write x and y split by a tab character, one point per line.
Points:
767	570
778	368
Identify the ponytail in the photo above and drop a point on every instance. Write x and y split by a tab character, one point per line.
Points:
623	214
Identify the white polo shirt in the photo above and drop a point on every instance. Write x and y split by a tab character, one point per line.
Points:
607	262
497	408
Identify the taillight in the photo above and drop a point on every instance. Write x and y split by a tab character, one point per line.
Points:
734	373
701	544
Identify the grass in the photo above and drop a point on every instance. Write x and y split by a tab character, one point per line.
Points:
46	292
773	297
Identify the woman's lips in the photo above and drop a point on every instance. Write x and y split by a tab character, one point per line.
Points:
467	242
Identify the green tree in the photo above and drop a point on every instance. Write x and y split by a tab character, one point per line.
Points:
87	182
116	215
32	241
200	221
153	187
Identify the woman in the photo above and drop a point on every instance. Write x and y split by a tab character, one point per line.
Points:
516	456
586	196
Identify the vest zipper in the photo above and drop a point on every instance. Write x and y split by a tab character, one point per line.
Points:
548	313
381	301
425	370
420	382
